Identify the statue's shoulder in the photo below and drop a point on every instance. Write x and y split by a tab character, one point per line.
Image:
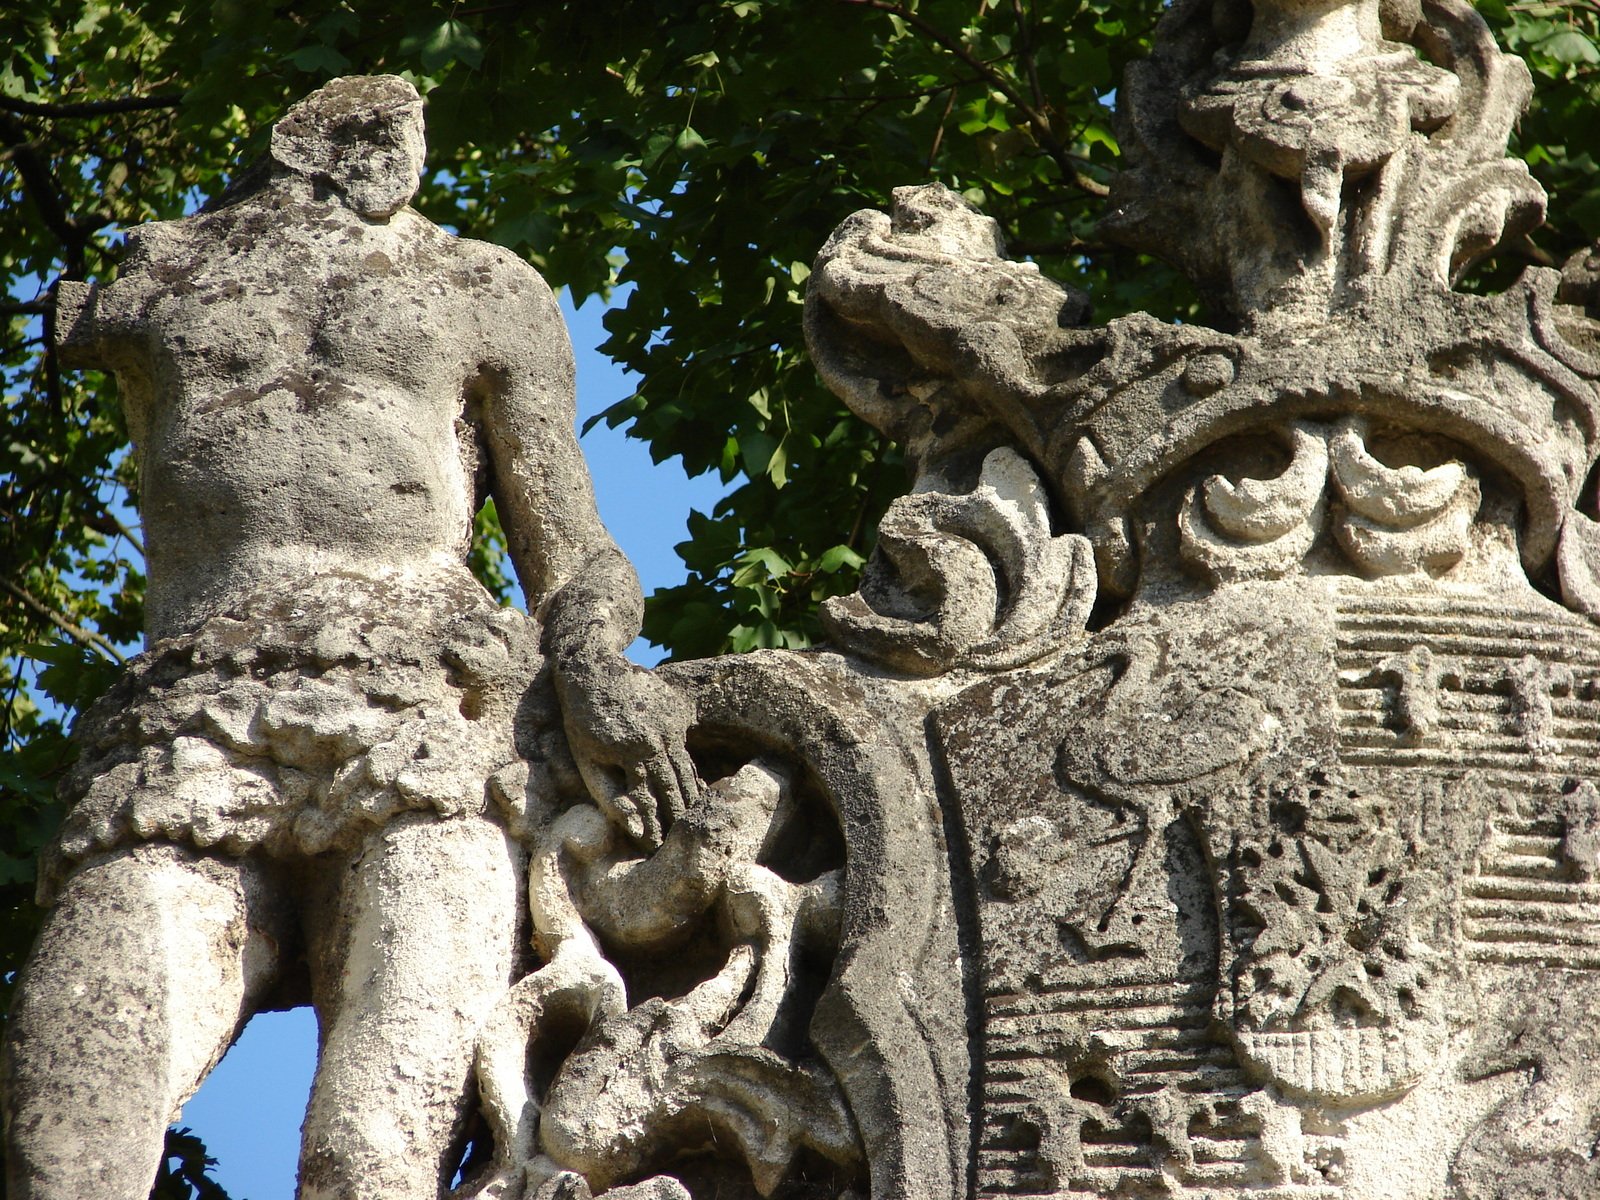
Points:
498	269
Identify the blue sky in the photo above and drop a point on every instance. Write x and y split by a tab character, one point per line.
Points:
249	1110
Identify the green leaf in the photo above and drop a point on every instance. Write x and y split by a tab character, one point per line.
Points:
759	563
440	45
839	556
778	467
319	60
756	450
1570	46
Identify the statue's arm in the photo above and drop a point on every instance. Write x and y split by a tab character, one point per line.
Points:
525	410
626	726
101	326
105	326
90	331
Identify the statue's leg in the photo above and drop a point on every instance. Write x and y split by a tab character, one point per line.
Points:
417	942
145	970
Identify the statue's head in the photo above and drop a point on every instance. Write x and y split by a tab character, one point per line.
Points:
362	135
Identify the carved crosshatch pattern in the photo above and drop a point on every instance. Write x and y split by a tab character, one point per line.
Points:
1332	933
1511	695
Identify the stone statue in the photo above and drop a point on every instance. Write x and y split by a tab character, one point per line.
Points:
1199	798
289	796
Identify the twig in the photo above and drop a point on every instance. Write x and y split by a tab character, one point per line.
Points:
1047	249
1025	49
938	134
1528	249
41	189
914	94
83	637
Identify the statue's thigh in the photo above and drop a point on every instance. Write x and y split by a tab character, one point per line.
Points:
145	969
409	951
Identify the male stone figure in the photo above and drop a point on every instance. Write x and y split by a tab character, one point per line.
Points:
288	796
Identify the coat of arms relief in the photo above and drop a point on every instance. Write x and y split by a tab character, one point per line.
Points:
1279	869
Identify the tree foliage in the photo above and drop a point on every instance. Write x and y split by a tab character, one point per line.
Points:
701	151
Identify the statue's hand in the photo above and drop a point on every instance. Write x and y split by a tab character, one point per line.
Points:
627	728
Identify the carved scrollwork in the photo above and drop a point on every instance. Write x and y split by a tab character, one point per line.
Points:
761	1004
973	579
1387	520
1400	520
1390	123
639	1076
928	331
1257	528
1323	96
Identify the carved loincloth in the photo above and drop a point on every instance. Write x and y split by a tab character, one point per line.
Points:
294	724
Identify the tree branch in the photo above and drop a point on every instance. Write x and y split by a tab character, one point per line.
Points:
77	633
89	108
1036	119
915	94
1051	249
41	188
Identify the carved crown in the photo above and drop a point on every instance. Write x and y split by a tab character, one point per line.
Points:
1326	172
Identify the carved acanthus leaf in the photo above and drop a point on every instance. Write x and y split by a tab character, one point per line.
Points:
918	319
1398	497
1400	520
973	579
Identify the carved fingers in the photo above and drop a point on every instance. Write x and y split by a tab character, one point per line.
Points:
627	728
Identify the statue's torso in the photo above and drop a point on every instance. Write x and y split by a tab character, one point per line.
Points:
344	439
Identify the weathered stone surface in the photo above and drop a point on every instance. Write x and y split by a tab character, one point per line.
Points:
1198	799
320	782
1279	857
341	775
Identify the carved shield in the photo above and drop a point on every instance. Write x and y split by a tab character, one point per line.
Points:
1245	882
